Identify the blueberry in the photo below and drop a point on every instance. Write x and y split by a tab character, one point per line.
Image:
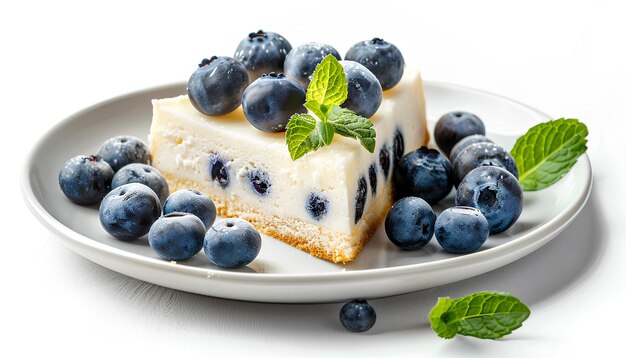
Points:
123	150
270	101
364	91
398	145
177	236
359	199
357	316
383	159
232	243
424	173
461	229
466	142
192	202
381	57
143	174
215	88
85	179
300	63
496	193
317	206
262	52
219	170
482	154
373	174
454	126
260	181
410	223
128	211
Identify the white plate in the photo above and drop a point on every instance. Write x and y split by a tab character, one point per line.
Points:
282	273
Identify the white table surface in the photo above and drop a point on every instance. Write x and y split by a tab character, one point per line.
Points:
564	58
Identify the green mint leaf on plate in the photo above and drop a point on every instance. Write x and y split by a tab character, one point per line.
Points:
349	124
302	135
328	87
548	151
483	315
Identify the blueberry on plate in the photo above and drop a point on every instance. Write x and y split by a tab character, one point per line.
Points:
85	179
232	243
410	223
357	316
424	173
128	211
300	63
364	91
461	229
466	142
177	236
382	58
123	150
216	86
262	52
482	154
193	202
454	126
496	193
270	101
142	174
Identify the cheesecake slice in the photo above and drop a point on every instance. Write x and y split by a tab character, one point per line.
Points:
328	203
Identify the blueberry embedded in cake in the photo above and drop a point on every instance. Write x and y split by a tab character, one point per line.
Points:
330	197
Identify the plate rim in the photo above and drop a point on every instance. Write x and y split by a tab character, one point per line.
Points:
539	235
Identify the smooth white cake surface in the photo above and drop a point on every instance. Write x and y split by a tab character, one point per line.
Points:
320	188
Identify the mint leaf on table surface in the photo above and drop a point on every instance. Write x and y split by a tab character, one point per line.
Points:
483	315
326	92
303	135
349	124
548	151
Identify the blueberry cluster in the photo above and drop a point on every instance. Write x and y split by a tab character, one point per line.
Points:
134	201
269	79
488	195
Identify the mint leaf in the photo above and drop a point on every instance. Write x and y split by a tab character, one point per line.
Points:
349	124
302	135
326	131
328	87
443	324
483	315
548	151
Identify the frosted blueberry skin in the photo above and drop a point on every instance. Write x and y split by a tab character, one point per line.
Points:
85	179
215	88
461	229
454	126
466	142
364	91
270	101
128	211
262	52
301	61
193	202
143	174
410	223
357	316
424	173
177	236
496	193
382	58
123	150
232	243
482	154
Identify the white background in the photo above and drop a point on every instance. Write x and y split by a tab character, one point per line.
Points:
565	58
